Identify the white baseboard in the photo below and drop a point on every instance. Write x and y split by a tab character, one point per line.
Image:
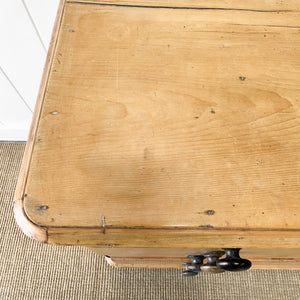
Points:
13	135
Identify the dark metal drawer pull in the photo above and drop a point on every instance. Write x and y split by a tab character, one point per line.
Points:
192	268
232	262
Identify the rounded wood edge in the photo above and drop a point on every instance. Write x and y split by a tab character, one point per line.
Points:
27	226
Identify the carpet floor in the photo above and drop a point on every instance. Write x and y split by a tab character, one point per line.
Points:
31	270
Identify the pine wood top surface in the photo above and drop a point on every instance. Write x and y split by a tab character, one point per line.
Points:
158	117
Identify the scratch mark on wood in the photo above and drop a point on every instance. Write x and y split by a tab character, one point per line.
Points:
117	70
266	25
177	7
103	224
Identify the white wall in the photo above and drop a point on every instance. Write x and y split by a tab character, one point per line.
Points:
25	31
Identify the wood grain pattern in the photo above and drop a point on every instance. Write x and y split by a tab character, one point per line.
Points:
174	257
169	238
167	252
170	127
35	231
258	264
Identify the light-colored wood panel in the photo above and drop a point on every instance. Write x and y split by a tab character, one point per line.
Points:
170	118
43	14
258	264
15	117
169	238
142	252
174	257
256	5
21	53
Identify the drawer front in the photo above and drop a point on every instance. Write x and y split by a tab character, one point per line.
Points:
176	257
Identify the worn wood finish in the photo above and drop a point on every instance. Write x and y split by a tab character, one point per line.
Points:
36	231
197	238
175	257
142	252
155	141
163	262
163	127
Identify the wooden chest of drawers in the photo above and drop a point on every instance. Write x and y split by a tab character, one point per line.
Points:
163	130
